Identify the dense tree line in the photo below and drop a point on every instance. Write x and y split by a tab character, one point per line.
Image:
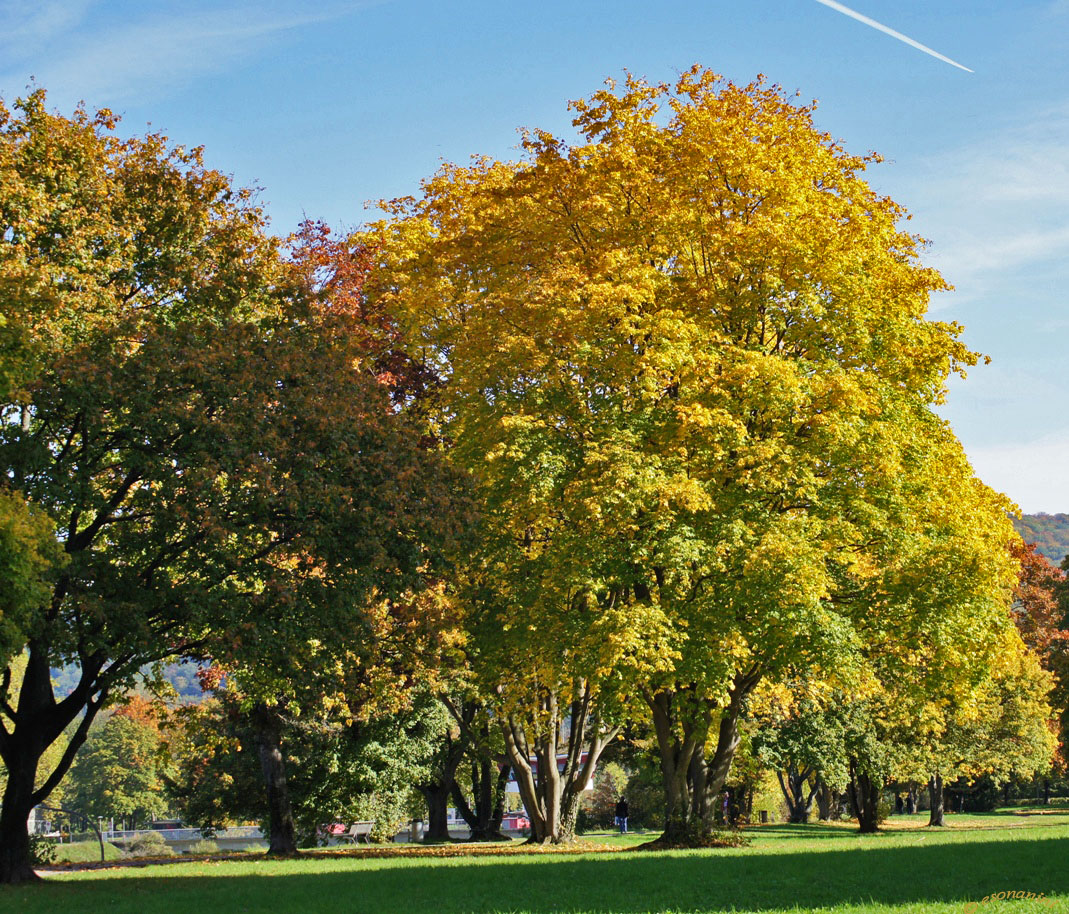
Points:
635	436
1049	532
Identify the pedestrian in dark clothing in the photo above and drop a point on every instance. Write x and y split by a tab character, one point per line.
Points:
621	815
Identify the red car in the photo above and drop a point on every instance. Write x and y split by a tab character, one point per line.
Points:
515	821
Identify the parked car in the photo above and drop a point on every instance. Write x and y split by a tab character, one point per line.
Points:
515	821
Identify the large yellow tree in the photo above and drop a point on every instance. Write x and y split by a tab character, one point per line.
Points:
689	368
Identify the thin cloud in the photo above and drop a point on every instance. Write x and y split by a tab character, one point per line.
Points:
27	25
92	58
1030	472
996	207
887	30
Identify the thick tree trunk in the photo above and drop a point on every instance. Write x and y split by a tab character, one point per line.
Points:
715	773
489	779
865	795
912	798
707	788
825	799
15	863
39	721
282	838
677	752
794	788
935	797
437	797
438	789
550	795
692	784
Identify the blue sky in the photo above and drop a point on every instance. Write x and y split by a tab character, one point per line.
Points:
329	105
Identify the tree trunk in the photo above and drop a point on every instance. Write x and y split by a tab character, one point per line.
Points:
676	755
283	839
692	785
15	863
935	797
489	779
436	791
865	795
437	797
551	795
707	788
39	721
912	798
825	798
799	803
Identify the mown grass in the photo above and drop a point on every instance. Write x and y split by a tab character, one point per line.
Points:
814	869
85	852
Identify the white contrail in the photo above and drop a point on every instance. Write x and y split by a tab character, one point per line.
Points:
879	26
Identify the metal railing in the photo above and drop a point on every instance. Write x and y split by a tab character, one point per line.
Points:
185	834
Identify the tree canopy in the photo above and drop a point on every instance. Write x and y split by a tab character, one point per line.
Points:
222	464
689	366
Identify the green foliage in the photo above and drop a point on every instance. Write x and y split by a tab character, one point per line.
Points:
42	850
808	737
120	772
335	773
29	556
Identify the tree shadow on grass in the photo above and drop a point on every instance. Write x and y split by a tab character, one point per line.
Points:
913	877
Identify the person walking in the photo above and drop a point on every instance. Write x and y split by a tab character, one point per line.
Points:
621	815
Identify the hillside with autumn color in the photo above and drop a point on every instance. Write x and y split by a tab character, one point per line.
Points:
1050	533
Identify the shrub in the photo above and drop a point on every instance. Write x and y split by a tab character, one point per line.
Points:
883	809
42	850
149	844
203	846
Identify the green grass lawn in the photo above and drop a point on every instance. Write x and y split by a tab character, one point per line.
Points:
85	852
799	869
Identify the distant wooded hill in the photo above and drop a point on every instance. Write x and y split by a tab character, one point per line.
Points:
182	676
1050	533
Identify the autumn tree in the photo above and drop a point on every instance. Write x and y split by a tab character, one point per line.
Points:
690	370
120	771
221	468
1041	611
951	688
374	662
